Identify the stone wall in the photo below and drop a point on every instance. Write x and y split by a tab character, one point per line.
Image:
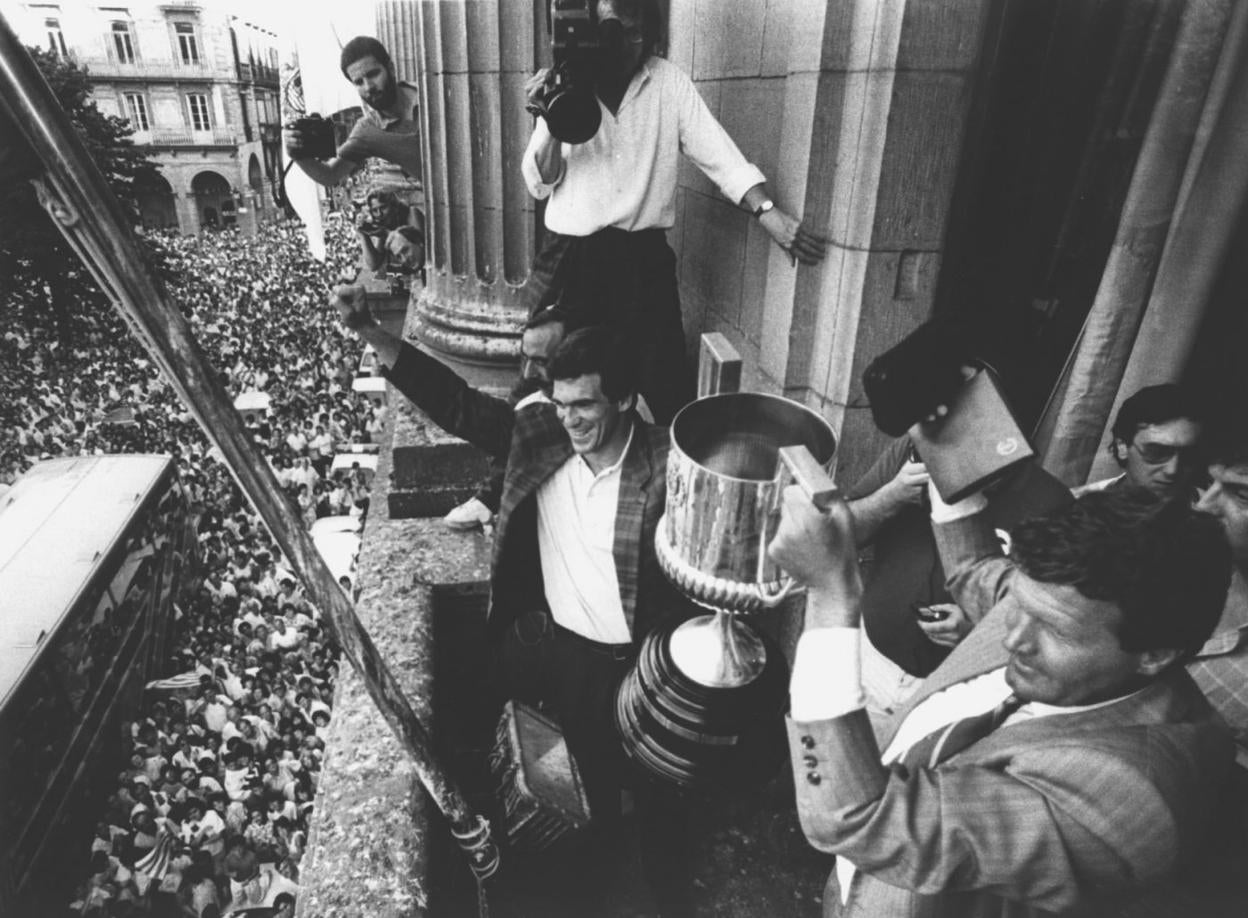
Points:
856	113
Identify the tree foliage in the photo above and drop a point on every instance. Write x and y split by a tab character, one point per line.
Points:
38	270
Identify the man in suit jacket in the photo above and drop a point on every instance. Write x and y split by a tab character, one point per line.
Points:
1104	765
575	583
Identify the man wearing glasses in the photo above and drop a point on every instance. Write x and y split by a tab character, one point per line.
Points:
1156	438
612	198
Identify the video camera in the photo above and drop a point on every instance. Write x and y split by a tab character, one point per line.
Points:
978	441
568	102
318	137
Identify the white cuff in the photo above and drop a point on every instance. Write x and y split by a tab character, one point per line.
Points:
947	513
826	679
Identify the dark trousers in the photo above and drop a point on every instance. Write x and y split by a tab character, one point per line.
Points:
627	281
577	680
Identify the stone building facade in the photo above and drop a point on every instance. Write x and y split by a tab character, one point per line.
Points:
200	89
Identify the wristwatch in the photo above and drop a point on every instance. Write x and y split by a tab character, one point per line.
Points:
764	207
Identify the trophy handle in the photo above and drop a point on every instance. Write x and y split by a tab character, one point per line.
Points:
809	475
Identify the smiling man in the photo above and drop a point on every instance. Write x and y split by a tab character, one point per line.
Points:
575	585
1060	760
389	129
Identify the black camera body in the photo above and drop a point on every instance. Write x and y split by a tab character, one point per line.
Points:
318	137
569	103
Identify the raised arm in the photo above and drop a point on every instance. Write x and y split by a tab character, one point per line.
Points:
456	407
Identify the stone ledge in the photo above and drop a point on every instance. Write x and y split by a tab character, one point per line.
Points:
368	848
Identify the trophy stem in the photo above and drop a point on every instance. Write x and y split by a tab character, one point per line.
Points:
718	651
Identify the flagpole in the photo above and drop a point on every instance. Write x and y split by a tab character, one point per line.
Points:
82	206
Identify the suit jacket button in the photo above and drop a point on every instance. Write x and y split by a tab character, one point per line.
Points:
813	777
809	761
808	742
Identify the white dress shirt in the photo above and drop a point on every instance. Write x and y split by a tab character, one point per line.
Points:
625	175
576	540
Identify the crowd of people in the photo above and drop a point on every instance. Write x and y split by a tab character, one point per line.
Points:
210	813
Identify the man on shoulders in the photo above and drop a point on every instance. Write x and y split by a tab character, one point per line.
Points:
1059	761
389	129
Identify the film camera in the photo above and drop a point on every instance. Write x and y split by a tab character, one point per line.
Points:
568	102
978	441
318	137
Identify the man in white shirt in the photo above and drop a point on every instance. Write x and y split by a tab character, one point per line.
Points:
1101	766
611	199
575	583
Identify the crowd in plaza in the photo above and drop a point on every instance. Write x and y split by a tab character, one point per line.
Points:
211	811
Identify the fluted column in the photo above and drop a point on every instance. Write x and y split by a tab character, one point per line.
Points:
473	58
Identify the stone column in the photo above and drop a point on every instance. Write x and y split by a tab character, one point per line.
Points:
472	57
185	204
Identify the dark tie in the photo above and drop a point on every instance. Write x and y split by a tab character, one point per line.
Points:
948	741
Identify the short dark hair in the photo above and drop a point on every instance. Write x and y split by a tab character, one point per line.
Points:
653	22
386	196
602	350
1166	565
1155	405
549	315
411	234
1227	443
364	46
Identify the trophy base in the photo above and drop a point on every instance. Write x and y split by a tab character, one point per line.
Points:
718	651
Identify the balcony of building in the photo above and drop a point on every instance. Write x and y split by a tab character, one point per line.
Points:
110	68
259	74
182	137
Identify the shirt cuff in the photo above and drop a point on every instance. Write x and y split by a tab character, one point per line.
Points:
947	513
528	164
740	179
826	679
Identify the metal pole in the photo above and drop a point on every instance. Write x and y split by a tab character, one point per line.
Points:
79	201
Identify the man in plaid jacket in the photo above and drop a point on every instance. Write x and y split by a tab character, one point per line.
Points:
1102	767
575	583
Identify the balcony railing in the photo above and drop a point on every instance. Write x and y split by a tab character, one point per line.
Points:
259	73
165	137
150	70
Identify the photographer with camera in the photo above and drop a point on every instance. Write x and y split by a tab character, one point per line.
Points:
614	119
381	215
389	129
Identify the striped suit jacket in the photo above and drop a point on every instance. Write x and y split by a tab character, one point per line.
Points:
535	445
1072	814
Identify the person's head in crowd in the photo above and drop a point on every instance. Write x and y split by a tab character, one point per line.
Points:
542	333
1226	496
406	246
385	210
1109	593
593	376
283	905
1156	440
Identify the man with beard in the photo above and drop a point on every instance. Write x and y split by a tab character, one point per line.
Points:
389	128
612	198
